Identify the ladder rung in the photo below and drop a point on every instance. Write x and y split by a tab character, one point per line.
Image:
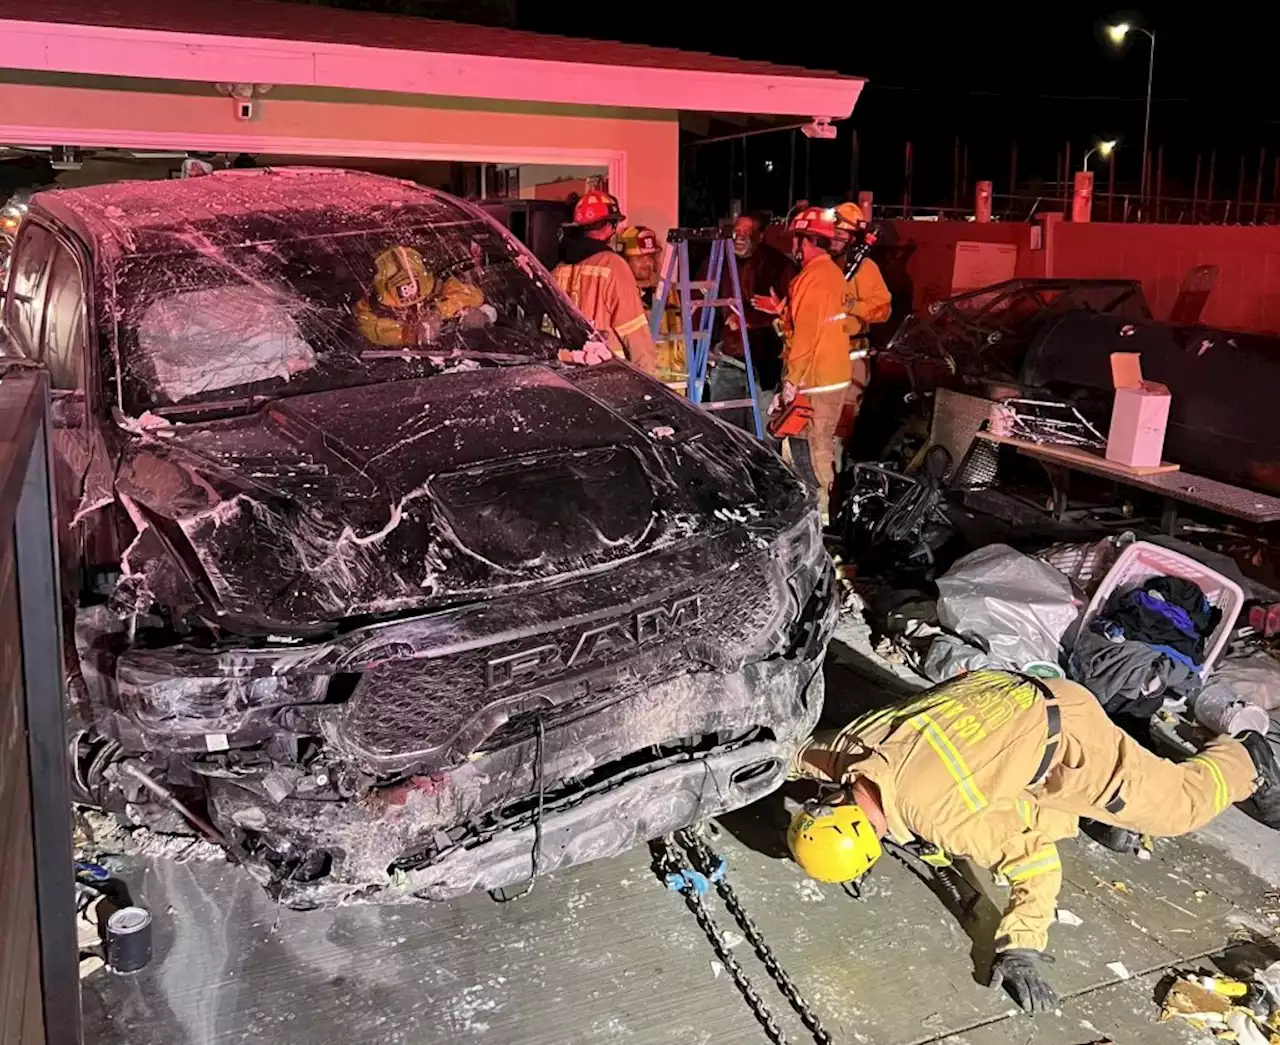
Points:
698	284
729	404
714	302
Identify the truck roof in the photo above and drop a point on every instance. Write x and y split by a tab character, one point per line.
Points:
216	210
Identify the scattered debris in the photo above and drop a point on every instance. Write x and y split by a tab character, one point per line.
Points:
1118	969
1189	914
1066	917
1116	886
716	969
1231	1009
101	836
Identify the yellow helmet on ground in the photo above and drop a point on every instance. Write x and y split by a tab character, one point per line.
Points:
833	843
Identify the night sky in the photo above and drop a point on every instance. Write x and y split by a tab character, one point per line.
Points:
1038	75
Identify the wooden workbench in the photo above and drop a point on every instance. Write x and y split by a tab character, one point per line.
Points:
1167	480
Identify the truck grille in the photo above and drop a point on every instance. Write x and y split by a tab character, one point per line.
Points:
428	712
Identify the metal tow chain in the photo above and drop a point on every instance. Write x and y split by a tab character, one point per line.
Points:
693	885
678	879
705	861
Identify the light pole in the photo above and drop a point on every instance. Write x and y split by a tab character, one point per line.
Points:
1117	33
1103	149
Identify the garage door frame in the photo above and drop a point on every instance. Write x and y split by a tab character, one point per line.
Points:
613	160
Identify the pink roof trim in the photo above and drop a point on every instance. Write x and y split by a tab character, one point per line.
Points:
269	42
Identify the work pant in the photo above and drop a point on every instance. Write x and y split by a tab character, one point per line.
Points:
814	451
983	798
1106	775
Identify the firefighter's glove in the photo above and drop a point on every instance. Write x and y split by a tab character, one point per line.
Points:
770	304
1016	971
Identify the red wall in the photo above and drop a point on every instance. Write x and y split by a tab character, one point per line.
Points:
921	264
1246	295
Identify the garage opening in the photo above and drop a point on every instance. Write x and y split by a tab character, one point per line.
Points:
533	199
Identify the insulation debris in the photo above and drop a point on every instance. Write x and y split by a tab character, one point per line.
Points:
1226	1007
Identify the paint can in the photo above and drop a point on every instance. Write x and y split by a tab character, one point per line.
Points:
1042	669
129	939
1220	710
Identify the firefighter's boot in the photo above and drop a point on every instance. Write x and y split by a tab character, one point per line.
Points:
1266	800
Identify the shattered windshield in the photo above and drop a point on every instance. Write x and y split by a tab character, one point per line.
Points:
303	302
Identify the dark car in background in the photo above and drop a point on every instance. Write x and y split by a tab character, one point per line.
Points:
406	615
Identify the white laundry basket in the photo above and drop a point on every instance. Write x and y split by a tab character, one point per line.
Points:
1141	561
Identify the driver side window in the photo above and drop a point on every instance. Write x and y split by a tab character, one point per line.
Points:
28	284
64	338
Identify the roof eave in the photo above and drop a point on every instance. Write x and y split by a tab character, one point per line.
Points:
159	54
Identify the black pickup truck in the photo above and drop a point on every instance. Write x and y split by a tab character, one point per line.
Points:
394	602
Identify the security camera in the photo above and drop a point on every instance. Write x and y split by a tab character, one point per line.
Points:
819	127
244	108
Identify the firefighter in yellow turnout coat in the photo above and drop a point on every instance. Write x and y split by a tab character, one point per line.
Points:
996	767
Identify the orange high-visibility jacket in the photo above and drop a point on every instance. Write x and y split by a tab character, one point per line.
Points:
605	291
867	299
993	767
815	357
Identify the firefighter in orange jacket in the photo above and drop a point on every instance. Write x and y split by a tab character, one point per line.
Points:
815	357
601	284
867	299
997	767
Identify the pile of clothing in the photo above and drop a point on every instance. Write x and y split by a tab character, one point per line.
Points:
1147	644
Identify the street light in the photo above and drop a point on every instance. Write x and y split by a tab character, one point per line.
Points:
1103	149
1117	33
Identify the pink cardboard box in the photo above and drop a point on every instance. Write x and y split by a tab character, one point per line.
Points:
1139	417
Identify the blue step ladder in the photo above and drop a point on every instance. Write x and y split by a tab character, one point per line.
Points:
698	310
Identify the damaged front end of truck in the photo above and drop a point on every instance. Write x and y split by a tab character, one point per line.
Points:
405	624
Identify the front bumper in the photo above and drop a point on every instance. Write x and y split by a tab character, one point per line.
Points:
614	821
612	780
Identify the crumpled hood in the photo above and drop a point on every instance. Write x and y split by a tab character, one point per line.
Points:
394	496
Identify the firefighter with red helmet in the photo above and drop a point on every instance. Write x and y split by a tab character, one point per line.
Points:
601	283
815	358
